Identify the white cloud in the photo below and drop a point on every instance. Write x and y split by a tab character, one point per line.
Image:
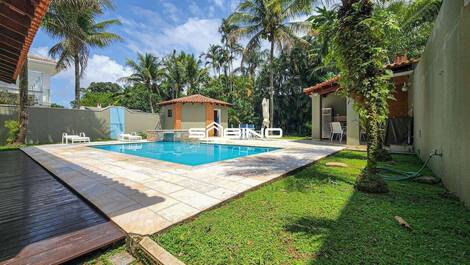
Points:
195	35
219	3
195	9
100	69
42	51
171	11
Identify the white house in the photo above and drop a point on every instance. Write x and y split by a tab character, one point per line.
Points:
40	70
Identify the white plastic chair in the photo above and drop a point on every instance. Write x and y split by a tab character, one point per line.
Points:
130	137
66	137
336	129
82	138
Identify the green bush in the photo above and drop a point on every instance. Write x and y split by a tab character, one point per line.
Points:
13	127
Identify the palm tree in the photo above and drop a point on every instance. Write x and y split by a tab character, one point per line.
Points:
175	73
270	20
413	25
214	58
195	74
23	112
73	23
252	60
147	70
231	45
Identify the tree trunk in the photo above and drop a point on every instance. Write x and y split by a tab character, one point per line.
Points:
23	112
76	61
271	85
369	181
149	88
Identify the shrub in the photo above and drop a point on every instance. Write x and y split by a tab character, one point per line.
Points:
13	127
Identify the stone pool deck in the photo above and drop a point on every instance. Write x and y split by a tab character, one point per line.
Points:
144	196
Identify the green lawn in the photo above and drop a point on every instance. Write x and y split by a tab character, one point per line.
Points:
316	217
8	147
102	257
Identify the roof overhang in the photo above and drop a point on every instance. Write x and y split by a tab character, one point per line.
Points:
19	22
401	67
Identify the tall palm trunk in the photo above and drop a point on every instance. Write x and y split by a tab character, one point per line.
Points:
149	88
271	85
76	61
23	112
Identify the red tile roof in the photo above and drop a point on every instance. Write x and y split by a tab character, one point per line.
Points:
197	98
331	85
401	61
323	87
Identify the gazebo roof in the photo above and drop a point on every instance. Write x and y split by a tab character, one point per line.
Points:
19	22
197	98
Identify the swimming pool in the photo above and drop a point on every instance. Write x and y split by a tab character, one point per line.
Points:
191	154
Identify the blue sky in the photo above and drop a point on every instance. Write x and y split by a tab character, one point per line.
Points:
156	26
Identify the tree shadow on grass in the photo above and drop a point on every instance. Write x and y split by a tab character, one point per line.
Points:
367	233
310	225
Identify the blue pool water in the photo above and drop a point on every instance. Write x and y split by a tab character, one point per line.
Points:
192	154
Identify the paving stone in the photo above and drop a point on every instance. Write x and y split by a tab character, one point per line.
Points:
163	186
194	199
178	212
144	196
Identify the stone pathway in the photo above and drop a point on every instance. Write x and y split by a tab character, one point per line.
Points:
144	196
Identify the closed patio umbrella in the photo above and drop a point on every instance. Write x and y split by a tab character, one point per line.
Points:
265	107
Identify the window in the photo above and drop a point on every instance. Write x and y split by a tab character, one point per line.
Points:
170	113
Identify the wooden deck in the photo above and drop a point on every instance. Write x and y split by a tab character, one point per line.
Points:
41	220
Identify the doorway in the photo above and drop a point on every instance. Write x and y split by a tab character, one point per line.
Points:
116	122
218	120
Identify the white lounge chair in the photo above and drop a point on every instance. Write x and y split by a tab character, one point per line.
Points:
68	137
129	137
336	129
81	138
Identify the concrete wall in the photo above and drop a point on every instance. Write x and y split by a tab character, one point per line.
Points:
337	103
167	122
316	116
441	98
193	116
224	115
140	121
46	125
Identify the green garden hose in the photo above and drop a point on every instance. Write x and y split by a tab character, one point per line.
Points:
405	175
